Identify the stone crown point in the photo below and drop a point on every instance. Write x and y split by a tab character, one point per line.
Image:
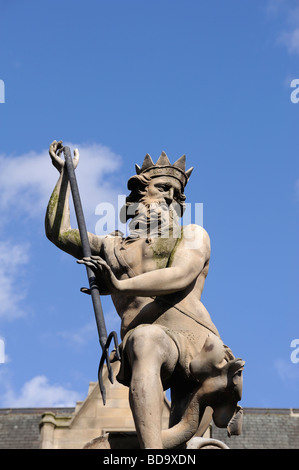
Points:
163	167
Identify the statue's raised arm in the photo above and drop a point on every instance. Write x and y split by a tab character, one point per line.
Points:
57	221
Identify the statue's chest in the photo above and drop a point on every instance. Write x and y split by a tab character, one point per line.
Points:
141	255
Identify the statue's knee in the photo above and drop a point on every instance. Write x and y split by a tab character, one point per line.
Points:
145	342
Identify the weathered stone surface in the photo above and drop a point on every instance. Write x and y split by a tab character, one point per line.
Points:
156	277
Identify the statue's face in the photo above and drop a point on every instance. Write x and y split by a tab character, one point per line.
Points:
157	210
163	189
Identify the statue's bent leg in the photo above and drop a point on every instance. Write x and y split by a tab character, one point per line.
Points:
153	357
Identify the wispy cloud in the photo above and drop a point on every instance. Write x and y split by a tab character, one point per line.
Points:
26	181
287	371
288	12
13	261
38	392
273	7
79	337
291	40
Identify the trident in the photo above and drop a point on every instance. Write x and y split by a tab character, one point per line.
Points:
93	287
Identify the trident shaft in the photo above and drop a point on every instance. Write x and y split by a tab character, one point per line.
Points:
93	287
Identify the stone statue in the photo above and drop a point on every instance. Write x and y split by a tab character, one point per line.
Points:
155	282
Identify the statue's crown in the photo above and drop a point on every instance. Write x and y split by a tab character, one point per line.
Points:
163	167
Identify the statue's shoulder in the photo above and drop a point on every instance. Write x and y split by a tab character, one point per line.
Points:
197	234
195	229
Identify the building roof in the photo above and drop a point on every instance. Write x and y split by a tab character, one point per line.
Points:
19	427
263	428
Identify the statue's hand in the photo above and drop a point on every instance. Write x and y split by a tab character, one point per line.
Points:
55	151
103	273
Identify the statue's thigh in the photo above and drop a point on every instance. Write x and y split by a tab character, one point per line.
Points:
150	343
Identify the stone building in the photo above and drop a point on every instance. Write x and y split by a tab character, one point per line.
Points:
72	428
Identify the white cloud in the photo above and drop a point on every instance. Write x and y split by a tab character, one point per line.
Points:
79	337
291	40
37	392
13	259
83	335
273	7
288	12
287	371
26	184
27	180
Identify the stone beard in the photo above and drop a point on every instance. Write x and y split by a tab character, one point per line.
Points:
154	220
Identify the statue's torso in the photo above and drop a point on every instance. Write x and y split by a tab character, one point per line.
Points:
132	257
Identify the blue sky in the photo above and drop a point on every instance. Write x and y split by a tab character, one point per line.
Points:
119	79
